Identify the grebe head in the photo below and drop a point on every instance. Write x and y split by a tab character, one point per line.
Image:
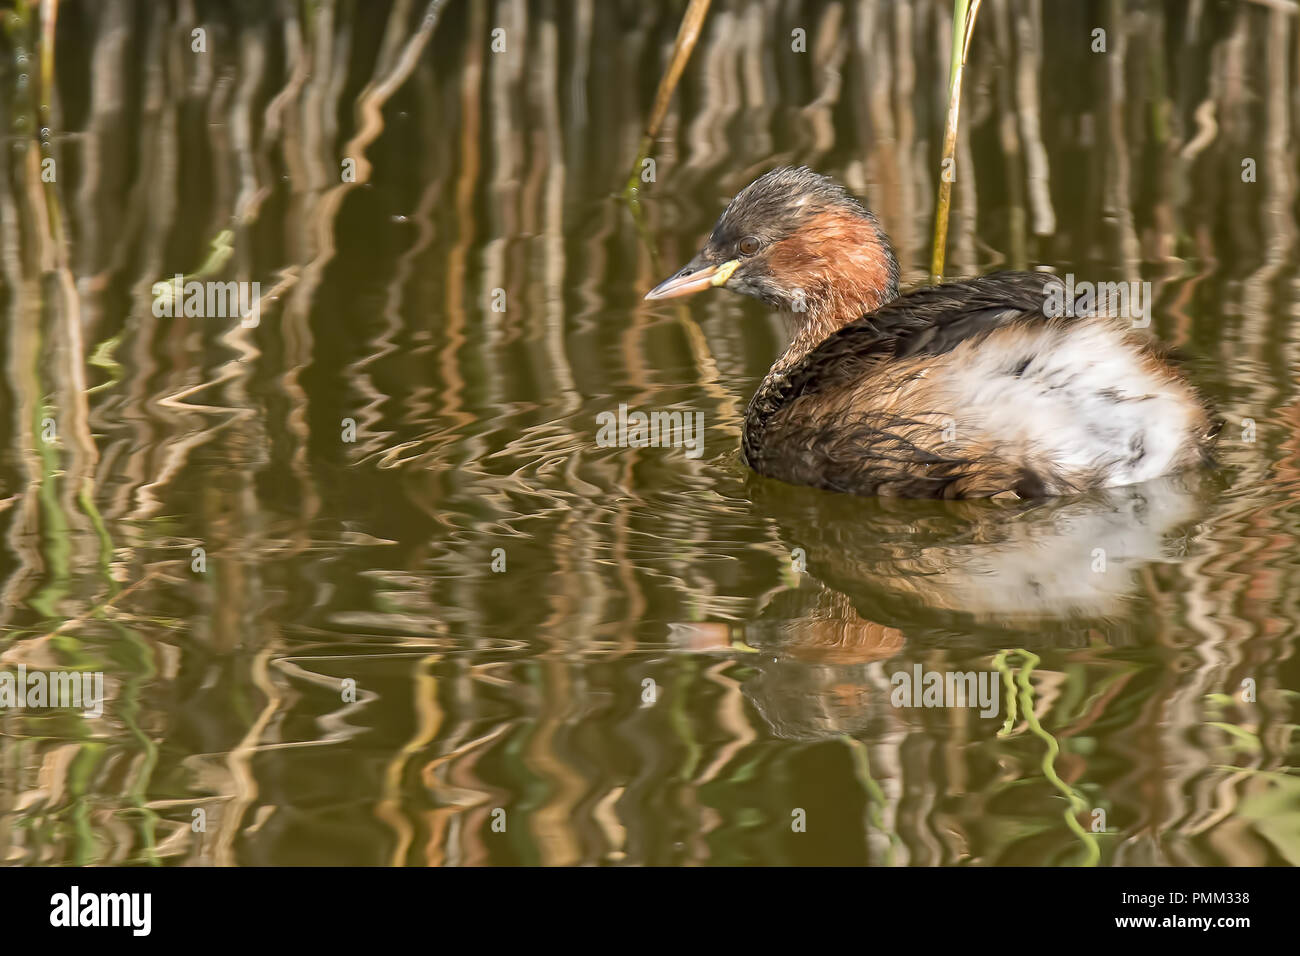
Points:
799	242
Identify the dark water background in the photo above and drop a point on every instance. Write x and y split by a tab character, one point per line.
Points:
649	679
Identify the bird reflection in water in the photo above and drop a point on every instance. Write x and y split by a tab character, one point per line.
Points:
890	580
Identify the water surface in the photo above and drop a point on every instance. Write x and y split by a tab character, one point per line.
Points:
365	588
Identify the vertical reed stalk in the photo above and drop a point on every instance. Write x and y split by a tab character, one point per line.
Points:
687	34
963	22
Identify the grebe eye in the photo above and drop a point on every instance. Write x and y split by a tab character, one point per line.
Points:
749	245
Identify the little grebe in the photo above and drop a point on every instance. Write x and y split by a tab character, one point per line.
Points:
967	389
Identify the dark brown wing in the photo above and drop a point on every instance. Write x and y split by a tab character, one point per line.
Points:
872	453
928	321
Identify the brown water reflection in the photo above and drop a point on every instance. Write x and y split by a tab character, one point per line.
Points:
650	678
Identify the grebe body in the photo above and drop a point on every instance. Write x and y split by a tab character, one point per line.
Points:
968	389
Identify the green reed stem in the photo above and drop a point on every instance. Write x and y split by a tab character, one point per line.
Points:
687	34
49	17
1075	799
963	23
1008	682
876	801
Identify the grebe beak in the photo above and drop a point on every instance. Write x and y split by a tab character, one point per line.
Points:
694	277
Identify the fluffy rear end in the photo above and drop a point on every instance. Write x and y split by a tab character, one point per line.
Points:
1080	404
1033	408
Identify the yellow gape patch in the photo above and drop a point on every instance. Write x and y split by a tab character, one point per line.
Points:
724	272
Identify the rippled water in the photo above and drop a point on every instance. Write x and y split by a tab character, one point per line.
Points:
365	588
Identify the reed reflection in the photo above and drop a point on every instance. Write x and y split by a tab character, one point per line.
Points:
371	560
